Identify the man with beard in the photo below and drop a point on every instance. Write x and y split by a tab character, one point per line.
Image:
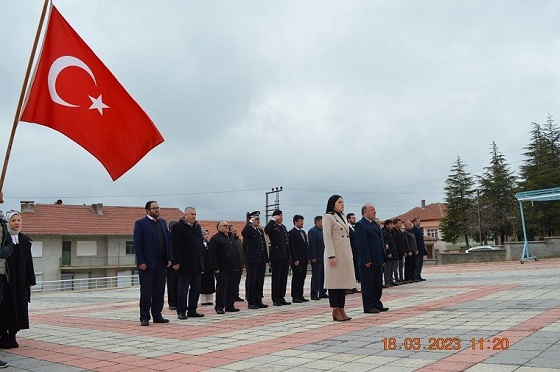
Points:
256	258
188	263
279	257
299	257
153	256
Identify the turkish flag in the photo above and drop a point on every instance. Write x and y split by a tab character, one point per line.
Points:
74	93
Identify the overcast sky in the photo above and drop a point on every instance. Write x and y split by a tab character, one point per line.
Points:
372	100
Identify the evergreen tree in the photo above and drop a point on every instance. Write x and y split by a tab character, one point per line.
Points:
461	220
497	200
541	170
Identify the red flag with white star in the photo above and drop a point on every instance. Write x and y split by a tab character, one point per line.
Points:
75	94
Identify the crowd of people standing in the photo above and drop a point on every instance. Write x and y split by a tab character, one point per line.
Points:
344	254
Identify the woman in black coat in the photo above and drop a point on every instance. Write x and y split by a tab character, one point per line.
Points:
14	311
208	285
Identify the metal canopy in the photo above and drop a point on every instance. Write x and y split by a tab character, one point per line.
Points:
534	195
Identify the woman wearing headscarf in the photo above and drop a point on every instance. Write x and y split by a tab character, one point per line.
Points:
14	311
339	265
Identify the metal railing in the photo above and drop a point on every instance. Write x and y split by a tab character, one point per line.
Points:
121	281
92	261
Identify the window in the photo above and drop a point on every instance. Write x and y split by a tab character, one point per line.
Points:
130	247
86	248
432	233
37	249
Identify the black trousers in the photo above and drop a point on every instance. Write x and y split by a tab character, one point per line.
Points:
409	267
337	297
317	279
372	286
171	287
188	284
255	283
279	279
299	273
226	283
152	289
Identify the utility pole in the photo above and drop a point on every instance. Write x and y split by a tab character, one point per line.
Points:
479	219
269	208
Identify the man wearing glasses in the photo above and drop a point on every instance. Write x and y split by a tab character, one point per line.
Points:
153	256
224	259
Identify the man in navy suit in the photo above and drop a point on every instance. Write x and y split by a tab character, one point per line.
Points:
371	258
316	253
256	258
153	256
299	258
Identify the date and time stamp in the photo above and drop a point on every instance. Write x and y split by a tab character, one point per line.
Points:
445	343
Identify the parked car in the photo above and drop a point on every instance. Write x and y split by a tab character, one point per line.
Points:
482	248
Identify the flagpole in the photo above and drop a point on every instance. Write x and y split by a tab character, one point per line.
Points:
21	96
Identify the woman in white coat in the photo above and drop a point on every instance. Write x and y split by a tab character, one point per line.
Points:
339	265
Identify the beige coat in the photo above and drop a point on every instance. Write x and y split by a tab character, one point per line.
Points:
337	244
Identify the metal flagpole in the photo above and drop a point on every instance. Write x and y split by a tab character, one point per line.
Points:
21	96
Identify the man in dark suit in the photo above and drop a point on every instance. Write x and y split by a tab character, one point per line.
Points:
279	257
299	247
224	258
419	261
371	258
256	258
153	256
188	263
316	253
351	218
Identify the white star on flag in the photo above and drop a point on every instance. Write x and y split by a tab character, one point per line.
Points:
97	103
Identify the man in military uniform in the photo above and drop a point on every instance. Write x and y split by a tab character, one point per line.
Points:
256	258
279	257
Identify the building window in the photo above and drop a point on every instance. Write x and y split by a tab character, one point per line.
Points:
86	248
130	247
433	233
36	249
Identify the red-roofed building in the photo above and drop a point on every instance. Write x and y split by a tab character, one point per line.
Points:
88	241
430	216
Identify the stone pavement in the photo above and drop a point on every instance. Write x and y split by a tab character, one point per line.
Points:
475	317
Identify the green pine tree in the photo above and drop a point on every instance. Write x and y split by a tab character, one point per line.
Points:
461	218
497	198
541	170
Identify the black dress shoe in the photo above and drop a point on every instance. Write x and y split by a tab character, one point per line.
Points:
385	286
220	311
207	303
324	295
383	309
181	316
253	307
371	311
297	301
422	279
277	303
195	315
284	302
239	299
172	307
316	298
304	299
231	309
262	306
145	322
161	320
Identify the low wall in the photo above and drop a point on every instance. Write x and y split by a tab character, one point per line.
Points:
547	248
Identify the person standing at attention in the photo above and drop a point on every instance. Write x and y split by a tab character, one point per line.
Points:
339	265
153	256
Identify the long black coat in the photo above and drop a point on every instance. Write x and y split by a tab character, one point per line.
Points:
188	250
14	311
255	245
223	253
208	284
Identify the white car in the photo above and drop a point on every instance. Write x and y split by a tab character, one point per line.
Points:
482	248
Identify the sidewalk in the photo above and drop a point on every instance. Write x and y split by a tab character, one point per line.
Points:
476	317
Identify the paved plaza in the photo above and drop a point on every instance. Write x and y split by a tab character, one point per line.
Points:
474	317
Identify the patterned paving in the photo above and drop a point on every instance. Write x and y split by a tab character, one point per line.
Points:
479	317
